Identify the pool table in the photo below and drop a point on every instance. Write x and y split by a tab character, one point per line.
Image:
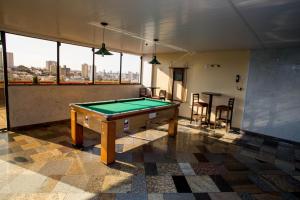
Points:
115	116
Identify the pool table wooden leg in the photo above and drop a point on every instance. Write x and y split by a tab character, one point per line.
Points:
173	123
76	130
108	137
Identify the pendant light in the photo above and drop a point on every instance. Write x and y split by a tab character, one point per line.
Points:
103	51
154	61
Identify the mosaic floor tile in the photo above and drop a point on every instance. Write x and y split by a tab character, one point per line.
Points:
116	184
202	183
221	183
131	196
201	196
56	167
186	169
176	196
262	183
139	184
181	184
155	196
186	157
284	183
83	195
164	169
150	169
94	184
200	157
160	184
208	169
224	196
49	184
269	196
20	185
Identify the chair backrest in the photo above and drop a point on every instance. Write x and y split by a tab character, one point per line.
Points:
231	103
143	92
162	93
196	97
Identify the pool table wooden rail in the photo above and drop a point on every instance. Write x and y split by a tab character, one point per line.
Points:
108	117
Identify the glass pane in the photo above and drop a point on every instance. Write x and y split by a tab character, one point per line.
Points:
147	74
3	122
75	64
30	60
107	69
131	67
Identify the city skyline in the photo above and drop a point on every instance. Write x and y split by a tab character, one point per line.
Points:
70	55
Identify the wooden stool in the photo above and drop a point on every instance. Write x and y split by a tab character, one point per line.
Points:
196	103
161	96
229	112
144	92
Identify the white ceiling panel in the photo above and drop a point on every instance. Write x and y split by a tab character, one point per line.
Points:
181	25
276	22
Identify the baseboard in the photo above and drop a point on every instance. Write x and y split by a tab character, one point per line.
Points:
268	137
26	127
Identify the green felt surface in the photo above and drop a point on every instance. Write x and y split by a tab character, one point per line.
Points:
125	106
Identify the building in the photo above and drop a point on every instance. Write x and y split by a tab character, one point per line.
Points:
86	71
65	72
51	67
10	59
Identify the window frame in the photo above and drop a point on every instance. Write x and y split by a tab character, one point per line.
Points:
141	68
119	80
93	82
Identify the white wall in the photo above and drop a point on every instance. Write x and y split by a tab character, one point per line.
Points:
39	104
213	79
273	94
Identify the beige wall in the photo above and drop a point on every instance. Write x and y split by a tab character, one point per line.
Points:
39	104
214	79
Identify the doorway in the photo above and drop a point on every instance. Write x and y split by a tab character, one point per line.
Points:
177	85
3	118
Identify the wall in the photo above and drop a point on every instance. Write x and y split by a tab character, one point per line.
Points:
39	104
273	95
201	78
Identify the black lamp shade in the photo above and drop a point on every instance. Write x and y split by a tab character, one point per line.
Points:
103	51
154	61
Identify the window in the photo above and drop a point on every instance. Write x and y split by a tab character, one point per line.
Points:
131	67
107	69
147	74
75	64
1	68
30	60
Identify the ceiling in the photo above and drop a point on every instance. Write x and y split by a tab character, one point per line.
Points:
181	25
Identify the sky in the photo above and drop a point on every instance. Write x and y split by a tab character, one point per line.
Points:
35	52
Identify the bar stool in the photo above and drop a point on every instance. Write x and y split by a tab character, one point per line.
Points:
196	103
229	112
161	96
144	92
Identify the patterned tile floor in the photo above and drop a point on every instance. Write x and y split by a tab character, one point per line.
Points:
40	163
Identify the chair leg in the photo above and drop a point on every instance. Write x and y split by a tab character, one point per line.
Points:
227	116
201	116
231	113
192	112
215	119
206	115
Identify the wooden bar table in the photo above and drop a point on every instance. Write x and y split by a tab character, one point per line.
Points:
211	95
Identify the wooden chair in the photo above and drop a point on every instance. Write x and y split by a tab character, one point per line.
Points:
144	92
161	96
196	103
229	112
